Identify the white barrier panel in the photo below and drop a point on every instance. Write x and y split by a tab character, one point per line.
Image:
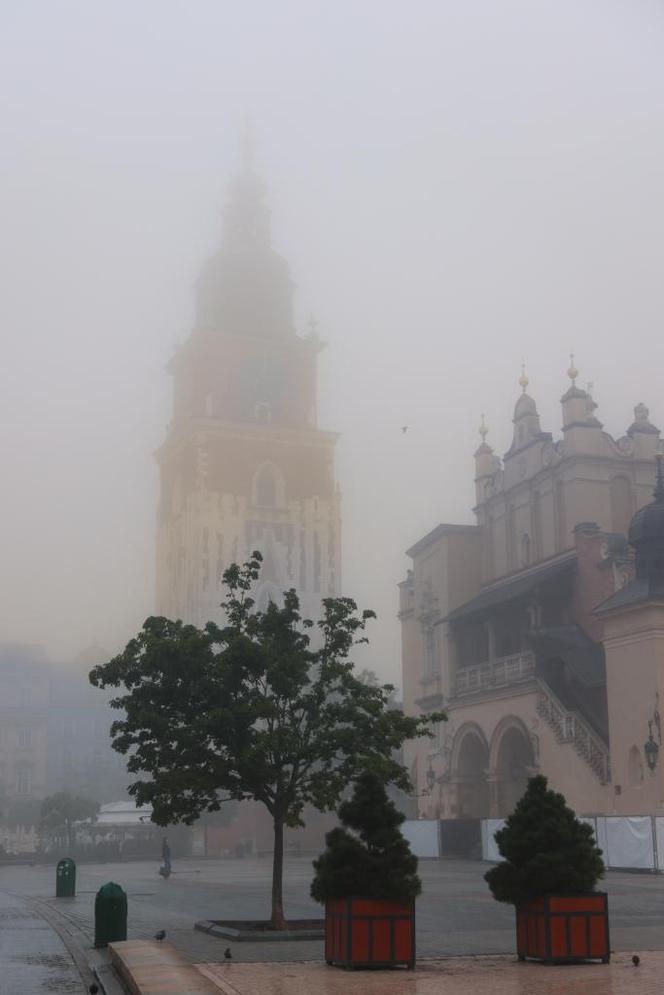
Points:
422	834
600	838
629	842
659	839
489	848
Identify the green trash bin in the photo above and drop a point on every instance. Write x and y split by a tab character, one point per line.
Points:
110	915
65	878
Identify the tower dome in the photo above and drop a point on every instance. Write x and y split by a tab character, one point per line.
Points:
646	535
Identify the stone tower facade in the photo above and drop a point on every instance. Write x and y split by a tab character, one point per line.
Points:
244	465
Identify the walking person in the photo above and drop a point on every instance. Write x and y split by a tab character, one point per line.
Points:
165	869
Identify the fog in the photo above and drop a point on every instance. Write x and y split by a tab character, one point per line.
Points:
457	186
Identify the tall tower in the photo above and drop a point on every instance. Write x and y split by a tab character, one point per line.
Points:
244	465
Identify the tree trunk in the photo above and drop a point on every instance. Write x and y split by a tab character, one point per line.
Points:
278	921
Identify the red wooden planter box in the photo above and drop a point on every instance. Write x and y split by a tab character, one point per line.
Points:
368	932
559	929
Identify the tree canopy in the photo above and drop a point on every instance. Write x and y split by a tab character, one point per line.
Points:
547	849
256	708
372	861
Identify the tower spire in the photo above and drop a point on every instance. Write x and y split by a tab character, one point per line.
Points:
523	379
247	144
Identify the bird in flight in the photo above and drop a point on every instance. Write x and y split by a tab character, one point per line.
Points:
404	429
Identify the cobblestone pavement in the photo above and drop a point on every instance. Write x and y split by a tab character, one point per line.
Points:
455	914
33	958
455	976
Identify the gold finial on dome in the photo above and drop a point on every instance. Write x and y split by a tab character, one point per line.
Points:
572	371
483	429
523	379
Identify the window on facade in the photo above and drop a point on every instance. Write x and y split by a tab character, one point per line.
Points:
23	781
525	550
430	651
266	488
24	736
621	504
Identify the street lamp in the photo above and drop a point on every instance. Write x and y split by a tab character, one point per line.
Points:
651	749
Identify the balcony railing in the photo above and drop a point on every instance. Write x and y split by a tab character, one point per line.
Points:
569	727
502	672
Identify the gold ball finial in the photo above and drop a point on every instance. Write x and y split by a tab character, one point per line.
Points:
483	429
523	379
572	371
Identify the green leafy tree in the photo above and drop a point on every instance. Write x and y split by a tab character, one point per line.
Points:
373	861
62	813
547	849
252	710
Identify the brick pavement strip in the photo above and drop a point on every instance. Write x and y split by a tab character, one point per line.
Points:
452	976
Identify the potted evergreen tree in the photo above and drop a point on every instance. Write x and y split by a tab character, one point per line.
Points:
368	881
549	874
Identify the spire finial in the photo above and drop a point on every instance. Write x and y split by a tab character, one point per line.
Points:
523	379
572	371
483	429
659	486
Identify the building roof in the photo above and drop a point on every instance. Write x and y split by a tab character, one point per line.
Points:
438	533
515	586
634	593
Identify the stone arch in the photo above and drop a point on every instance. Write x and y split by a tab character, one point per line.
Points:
470	763
267	592
512	762
268	489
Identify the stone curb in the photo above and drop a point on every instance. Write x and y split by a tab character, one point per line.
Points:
228	932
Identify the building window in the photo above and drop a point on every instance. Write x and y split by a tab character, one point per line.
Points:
525	550
621	504
430	651
23	781
24	736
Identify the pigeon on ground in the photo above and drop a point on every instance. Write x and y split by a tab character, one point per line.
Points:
161	935
227	954
93	989
636	960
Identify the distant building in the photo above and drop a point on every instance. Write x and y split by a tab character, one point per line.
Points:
81	760
54	730
530	629
24	699
244	465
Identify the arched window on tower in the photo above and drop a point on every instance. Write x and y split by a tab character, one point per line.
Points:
268	487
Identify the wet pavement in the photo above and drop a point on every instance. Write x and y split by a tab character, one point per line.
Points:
456	976
33	958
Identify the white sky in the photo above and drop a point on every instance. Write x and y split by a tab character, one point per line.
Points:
456	185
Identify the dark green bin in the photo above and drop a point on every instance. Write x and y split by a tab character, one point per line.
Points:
65	878
110	915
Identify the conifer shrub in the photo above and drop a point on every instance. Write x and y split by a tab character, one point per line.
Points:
547	850
372	861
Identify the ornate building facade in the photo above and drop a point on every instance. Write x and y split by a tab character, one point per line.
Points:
532	629
244	465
